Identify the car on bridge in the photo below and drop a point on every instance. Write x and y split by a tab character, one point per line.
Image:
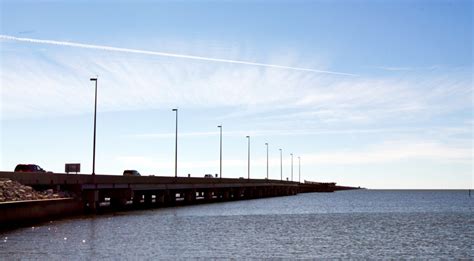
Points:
131	172
28	168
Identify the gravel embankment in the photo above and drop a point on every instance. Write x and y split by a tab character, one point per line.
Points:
11	190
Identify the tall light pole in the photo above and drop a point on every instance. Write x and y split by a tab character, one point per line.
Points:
95	120
281	165
299	169
266	144
248	168
220	157
291	166
176	147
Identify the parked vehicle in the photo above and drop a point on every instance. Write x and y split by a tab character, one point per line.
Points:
131	172
208	176
28	168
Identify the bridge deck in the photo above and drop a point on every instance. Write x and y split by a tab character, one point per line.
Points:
87	182
102	192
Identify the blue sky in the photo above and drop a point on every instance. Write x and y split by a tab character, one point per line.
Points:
368	93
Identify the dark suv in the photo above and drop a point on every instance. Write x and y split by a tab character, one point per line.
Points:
131	173
28	168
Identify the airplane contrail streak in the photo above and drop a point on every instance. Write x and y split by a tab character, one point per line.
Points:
183	56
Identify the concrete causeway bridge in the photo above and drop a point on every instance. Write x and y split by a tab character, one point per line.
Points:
102	193
94	193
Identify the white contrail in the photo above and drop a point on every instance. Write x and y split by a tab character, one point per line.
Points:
126	50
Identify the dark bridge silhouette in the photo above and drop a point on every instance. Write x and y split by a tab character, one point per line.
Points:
119	191
93	194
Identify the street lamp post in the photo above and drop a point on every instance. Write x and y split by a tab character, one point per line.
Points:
266	144
176	146
95	120
299	169
291	166
248	167
220	157
281	165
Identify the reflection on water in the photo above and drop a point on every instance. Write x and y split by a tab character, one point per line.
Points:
350	224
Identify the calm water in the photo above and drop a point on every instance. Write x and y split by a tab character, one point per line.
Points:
348	224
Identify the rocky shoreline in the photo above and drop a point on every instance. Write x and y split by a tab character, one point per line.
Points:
11	190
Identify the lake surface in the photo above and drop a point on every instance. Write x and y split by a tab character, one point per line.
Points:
347	224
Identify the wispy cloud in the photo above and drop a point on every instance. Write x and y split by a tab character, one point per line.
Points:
273	132
392	68
386	152
132	81
407	68
164	54
369	100
393	151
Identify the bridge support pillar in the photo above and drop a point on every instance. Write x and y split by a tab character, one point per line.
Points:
240	193
190	196
208	195
160	198
91	199
118	202
248	193
119	197
147	199
269	192
225	195
137	197
170	197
